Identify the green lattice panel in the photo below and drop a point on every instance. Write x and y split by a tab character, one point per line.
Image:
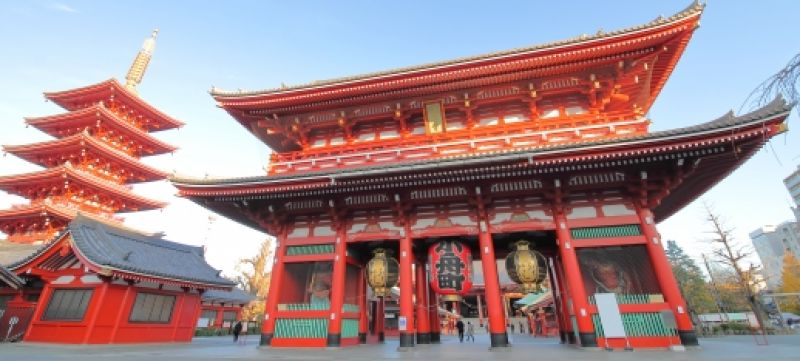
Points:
642	324
634	299
348	307
313	249
349	328
302	328
303	306
606	232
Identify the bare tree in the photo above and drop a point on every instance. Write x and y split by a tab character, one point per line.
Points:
730	253
784	82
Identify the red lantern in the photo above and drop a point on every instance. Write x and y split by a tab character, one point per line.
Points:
451	268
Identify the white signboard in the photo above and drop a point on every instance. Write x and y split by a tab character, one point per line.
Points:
401	323
610	317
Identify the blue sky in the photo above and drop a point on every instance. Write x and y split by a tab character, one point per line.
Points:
48	46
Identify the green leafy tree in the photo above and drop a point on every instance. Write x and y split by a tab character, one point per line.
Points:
790	283
690	279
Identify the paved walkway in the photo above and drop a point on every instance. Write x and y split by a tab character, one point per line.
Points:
525	348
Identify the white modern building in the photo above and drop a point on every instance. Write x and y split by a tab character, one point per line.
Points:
792	183
771	243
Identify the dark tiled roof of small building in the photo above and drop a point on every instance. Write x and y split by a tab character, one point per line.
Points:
127	251
236	295
8	278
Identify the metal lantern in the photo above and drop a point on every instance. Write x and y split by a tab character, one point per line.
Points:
526	267
451	269
382	273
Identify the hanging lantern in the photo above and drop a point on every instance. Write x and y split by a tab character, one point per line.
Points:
526	267
451	269
382	273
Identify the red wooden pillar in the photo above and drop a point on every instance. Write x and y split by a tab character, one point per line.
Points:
406	290
380	319
363	327
480	310
337	289
126	299
423	316
275	284
574	280
94	310
220	314
178	314
666	280
560	303
497	328
433	312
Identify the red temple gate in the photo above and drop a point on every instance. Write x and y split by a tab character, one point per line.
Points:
547	144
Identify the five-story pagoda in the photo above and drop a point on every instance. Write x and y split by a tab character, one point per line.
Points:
94	159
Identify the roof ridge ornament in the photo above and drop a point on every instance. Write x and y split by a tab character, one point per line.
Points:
139	66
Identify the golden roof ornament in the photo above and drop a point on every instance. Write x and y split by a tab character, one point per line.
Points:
139	66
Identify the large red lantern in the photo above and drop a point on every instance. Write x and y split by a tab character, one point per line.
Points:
451	269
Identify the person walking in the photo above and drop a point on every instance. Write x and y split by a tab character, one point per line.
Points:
470	331
237	329
460	327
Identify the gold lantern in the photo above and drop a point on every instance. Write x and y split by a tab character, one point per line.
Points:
382	273
526	267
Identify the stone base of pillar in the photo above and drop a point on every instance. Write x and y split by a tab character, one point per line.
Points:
406	340
571	338
688	338
588	339
334	339
436	337
499	339
564	335
423	338
266	339
362	337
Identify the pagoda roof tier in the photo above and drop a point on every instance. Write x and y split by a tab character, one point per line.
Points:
74	122
658	44
118	252
722	145
112	92
57	179
74	148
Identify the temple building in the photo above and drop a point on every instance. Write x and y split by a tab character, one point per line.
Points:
99	284
539	155
92	161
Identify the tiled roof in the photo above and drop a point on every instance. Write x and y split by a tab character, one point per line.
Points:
10	279
693	9
236	295
127	251
776	107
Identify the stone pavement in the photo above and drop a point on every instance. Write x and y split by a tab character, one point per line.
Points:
525	348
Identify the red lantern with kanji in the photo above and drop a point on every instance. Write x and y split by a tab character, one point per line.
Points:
451	268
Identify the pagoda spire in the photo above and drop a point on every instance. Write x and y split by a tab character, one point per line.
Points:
139	66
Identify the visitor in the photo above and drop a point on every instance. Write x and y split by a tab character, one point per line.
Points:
521	327
511	325
470	331
460	327
237	329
